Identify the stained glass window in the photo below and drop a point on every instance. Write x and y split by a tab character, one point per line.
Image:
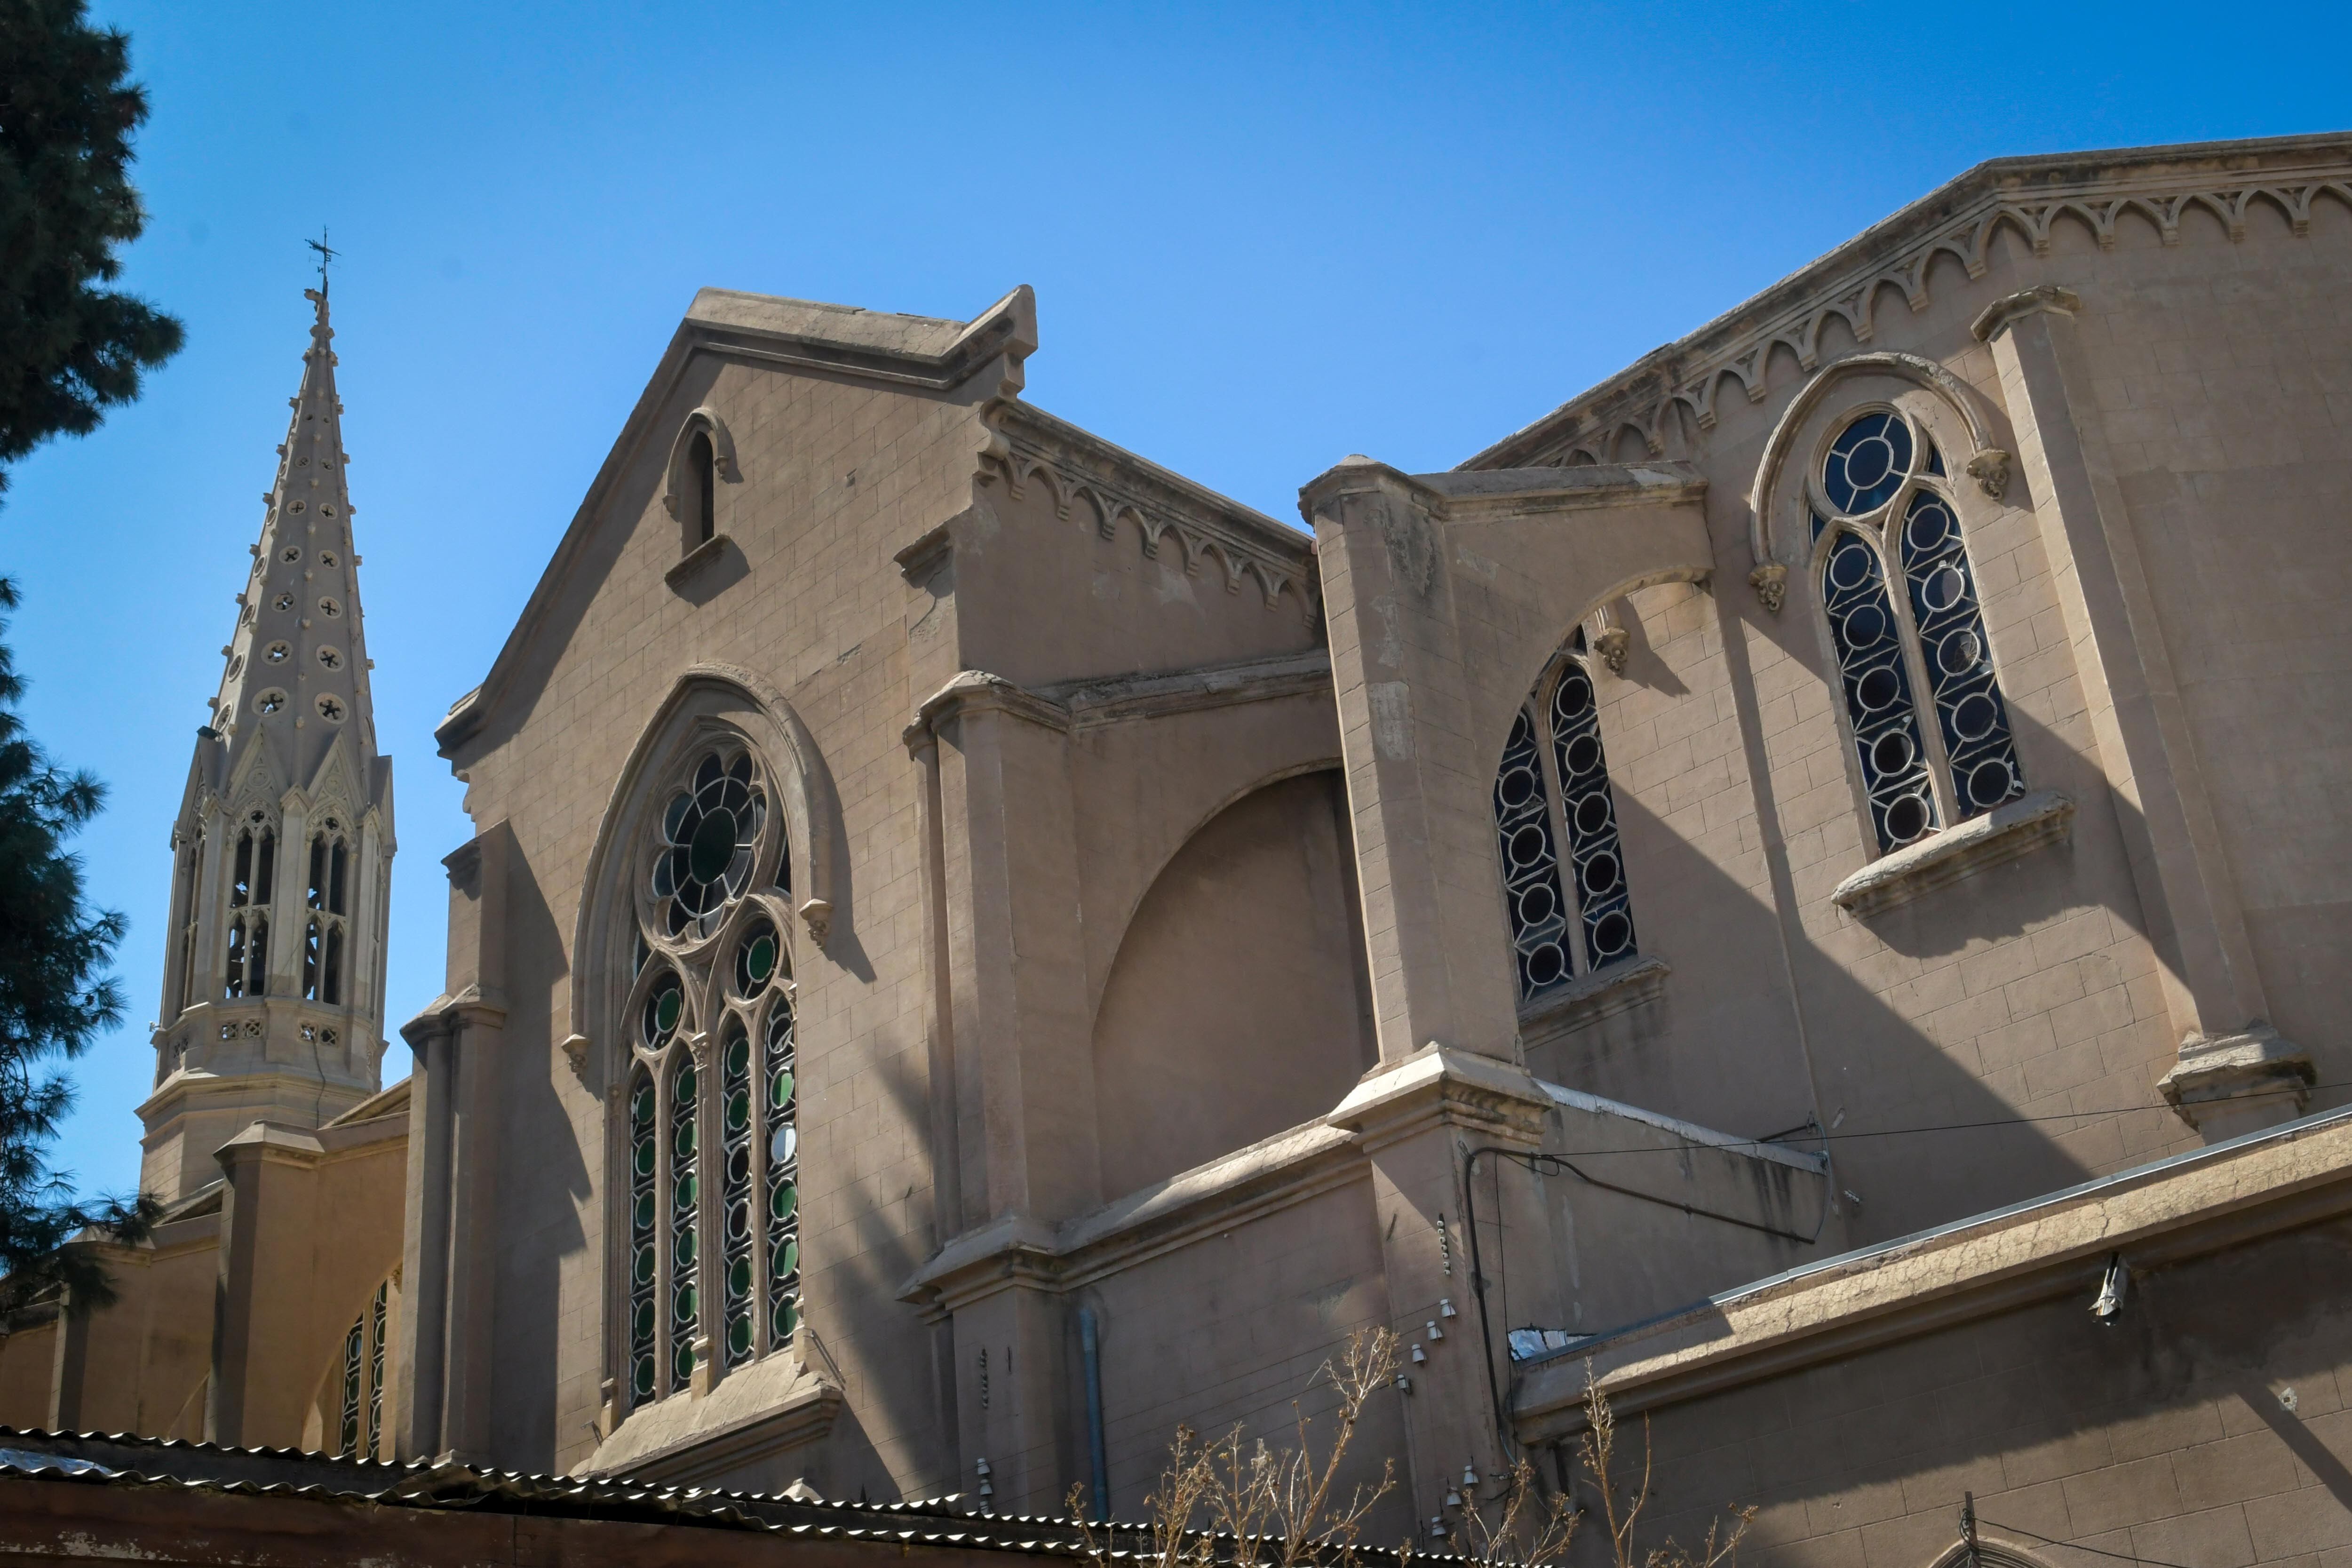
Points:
247	972
685	1223
780	1152
1561	925
644	1211
714	863
1930	731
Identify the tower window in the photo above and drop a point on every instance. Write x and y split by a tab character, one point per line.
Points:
252	867
702	467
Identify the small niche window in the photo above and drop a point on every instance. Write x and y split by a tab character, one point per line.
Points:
278	652
1930	731
253	866
711	1255
700	503
1552	789
331	708
326	933
329	658
330	608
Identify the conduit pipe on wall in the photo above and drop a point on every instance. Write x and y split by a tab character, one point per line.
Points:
1090	1346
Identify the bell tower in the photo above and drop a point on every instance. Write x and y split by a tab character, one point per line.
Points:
273	983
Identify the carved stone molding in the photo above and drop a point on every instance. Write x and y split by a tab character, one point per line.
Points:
2024	304
1955	853
1896	258
1770	582
1608	641
1989	469
817	915
575	1051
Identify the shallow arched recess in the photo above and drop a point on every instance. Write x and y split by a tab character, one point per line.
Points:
1238	1005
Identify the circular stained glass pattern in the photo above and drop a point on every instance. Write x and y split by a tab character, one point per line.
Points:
709	834
1868	463
755	960
1990	784
1865	626
1907	819
663	1007
1891	753
1960	652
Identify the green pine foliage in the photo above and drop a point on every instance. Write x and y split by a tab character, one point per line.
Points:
69	350
55	998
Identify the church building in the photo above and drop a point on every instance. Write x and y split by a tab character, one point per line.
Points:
1811	885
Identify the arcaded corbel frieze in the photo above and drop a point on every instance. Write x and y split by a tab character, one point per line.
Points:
2024	304
2001	834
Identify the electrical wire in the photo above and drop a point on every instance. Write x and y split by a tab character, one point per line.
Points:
1737	1144
2073	1546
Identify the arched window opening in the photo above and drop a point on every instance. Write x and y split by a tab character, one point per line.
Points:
186	993
1930	731
702	479
1553	789
322	941
361	1387
711	1263
253	868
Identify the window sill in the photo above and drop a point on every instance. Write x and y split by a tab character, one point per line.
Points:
2001	836
696	559
1608	991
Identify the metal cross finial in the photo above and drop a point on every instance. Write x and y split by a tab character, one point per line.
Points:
325	255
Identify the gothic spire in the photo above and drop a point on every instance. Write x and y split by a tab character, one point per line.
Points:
296	673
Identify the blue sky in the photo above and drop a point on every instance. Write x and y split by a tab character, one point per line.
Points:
1262	236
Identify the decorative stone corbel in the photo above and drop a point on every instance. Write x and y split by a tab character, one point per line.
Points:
2231	1084
817	915
1770	582
575	1049
1606	639
1989	469
697	1046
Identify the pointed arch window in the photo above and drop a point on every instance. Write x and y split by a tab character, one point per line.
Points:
709	1269
252	875
327	929
1930	731
702	483
1571	914
358	1390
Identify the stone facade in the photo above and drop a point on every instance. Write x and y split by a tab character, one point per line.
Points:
977	950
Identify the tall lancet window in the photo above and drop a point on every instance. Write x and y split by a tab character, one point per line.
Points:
1570	913
325	936
708	1276
252	867
1930	731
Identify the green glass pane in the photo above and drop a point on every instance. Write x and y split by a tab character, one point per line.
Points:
682	1140
762	960
738	1278
786	1319
681	1363
682	1304
739	1110
643	1327
685	1258
646	1158
687	1191
788	1259
643	1377
739	1336
712	847
645	1265
641	1112
686	1088
784	1200
666	1008
739	1055
644	1216
779	1090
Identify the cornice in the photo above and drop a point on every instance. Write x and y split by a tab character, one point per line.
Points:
1018	1250
1247	545
2169	1212
1960	220
1437	1086
1071	707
